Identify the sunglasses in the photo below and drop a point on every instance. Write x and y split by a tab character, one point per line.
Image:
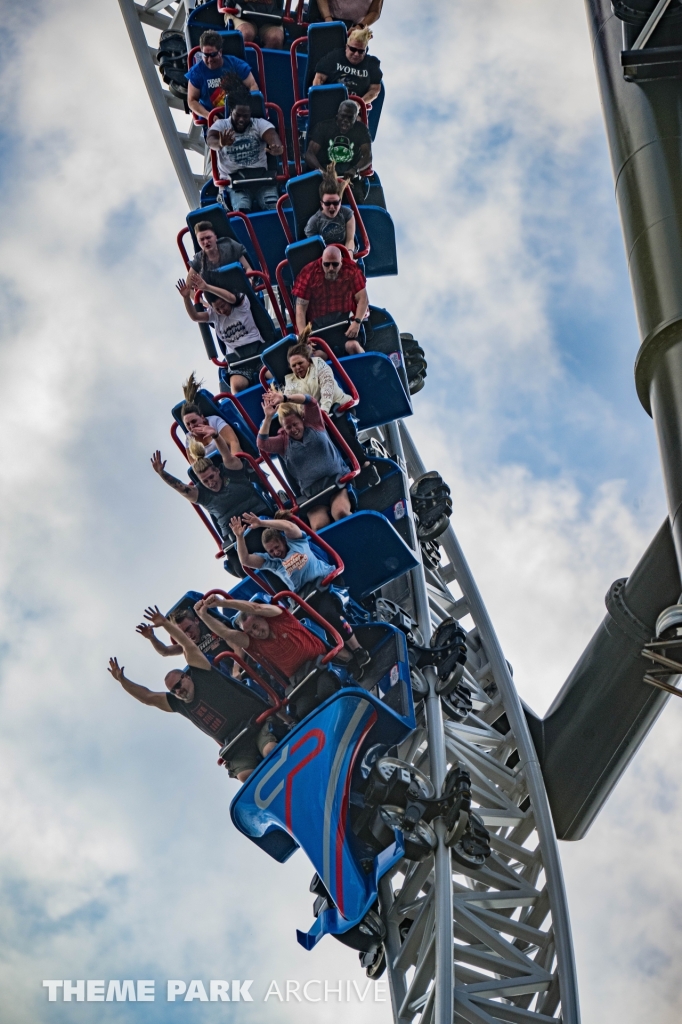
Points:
178	685
330	264
210	54
355	49
331	202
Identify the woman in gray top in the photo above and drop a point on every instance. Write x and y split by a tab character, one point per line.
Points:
336	223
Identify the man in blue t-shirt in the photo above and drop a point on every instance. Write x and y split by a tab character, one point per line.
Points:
289	555
204	91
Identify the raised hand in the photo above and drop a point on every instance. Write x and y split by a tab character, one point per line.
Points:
144	630
204	432
195	280
252	520
157	464
183	287
116	670
237	526
155	616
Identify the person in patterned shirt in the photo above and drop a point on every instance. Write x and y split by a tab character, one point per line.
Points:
329	290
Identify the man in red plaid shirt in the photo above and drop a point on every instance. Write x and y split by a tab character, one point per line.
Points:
329	291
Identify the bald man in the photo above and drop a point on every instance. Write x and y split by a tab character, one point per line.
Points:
332	291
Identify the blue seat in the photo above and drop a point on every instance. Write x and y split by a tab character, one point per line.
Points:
228	411
304	195
251	401
299	254
389	497
322	38
206	16
382	394
302	792
382	259
270	235
385	555
323	104
374	115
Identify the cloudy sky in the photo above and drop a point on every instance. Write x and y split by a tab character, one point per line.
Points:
117	858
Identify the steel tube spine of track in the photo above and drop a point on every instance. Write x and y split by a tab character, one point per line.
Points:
568	981
643	125
444	922
161	109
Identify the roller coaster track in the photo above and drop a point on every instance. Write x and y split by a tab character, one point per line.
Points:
485	945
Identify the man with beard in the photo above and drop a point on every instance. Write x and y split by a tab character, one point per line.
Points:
329	291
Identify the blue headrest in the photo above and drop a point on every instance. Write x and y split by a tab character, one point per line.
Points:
322	38
275	357
324	102
228	411
218	218
299	254
304	193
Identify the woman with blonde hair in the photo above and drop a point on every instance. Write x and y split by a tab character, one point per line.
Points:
352	66
203	429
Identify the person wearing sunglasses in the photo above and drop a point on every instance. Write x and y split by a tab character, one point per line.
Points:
204	696
331	293
334	222
205	89
352	12
352	66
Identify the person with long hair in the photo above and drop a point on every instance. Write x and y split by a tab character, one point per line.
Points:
334	222
312	376
203	429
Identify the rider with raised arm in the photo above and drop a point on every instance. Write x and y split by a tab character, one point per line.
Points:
308	455
202	695
224	491
269	632
191	625
196	423
231	317
288	554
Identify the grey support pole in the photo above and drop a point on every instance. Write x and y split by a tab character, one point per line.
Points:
644	128
163	115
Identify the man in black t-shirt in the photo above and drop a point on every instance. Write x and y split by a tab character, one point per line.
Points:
224	491
213	702
352	66
345	141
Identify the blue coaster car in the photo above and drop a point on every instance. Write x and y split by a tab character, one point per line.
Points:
304	792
